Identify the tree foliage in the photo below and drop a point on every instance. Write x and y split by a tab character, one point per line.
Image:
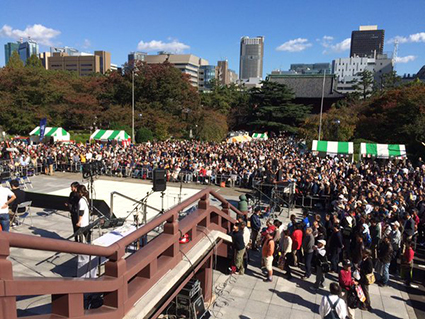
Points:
273	108
15	61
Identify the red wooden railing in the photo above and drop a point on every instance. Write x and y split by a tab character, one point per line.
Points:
125	280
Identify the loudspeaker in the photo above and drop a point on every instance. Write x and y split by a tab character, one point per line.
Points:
159	180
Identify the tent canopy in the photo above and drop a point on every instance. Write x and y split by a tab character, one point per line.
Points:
108	135
260	136
331	147
239	139
58	133
383	150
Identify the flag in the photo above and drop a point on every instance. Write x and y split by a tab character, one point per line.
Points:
43	123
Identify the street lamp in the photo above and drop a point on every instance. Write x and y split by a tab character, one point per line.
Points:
337	122
132	106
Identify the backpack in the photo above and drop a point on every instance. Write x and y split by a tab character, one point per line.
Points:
332	314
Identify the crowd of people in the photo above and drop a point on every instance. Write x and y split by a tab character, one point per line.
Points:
369	229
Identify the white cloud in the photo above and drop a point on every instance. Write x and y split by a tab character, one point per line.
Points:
86	44
337	47
296	45
405	59
174	46
37	32
413	38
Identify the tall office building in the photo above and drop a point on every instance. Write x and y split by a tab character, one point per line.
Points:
9	48
27	49
367	42
207	73
251	58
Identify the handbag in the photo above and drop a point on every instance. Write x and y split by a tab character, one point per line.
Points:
352	299
370	278
360	293
325	265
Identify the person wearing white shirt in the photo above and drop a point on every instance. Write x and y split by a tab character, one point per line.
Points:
83	211
6	197
333	302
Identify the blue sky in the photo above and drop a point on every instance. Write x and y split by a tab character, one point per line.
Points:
305	30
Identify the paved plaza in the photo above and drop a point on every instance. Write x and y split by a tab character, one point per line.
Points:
242	297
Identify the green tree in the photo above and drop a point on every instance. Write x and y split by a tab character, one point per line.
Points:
364	87
15	61
273	108
33	62
143	135
390	81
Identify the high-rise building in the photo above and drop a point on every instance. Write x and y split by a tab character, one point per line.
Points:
187	63
100	62
251	58
27	49
367	42
9	48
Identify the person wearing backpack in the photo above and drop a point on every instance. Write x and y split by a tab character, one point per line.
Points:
333	306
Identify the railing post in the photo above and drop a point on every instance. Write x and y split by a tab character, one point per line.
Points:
116	267
225	208
7	304
204	203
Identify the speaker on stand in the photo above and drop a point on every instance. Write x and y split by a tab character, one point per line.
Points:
159	180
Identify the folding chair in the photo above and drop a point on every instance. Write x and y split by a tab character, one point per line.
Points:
22	211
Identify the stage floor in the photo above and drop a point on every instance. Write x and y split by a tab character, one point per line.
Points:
122	207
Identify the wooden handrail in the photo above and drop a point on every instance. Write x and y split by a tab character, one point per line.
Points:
125	279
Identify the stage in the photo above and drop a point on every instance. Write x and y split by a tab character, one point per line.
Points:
59	185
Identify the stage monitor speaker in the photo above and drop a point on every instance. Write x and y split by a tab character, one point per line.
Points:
159	180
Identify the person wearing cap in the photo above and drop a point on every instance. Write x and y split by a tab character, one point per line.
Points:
346	282
255	227
322	265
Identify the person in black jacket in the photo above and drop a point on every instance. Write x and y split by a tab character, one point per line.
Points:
366	268
385	253
239	248
20	196
255	227
73	207
335	246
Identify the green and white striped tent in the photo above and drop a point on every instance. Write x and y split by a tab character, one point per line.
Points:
383	150
58	134
331	147
109	135
260	136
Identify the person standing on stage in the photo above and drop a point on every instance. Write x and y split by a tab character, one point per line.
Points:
83	211
73	206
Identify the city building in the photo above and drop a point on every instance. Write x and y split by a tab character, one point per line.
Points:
9	48
207	73
420	76
99	62
315	68
134	57
347	70
225	76
68	50
308	89
27	49
367	42
187	63
44	57
251	58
